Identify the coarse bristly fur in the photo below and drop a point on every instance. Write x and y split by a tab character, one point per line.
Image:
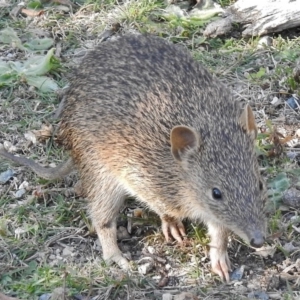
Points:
142	118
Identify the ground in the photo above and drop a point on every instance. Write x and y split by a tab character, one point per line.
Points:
47	243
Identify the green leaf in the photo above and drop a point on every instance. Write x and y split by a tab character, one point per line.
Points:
9	36
279	184
7	74
43	83
39	44
34	4
39	65
260	73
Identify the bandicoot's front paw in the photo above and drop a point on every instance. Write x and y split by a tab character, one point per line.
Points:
172	228
118	259
220	263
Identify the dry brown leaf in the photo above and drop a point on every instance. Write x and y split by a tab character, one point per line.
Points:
31	12
78	188
44	133
286	139
163	281
138	213
38	192
266	251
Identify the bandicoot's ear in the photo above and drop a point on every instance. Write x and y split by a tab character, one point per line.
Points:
247	121
183	139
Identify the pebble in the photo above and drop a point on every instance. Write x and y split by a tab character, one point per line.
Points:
6	176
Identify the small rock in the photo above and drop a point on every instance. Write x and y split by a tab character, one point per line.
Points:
62	8
151	250
276	101
6	176
295	219
275	295
60	293
29	136
67	251
238	273
19	194
24	185
240	288
292	155
145	265
258	295
186	296
167	296
45	297
289	247
274	282
9	147
174	10
265	42
20	231
122	233
291	197
292	103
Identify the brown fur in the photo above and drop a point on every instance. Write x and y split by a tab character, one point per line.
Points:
133	100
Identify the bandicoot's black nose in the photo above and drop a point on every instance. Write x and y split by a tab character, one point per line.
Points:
258	240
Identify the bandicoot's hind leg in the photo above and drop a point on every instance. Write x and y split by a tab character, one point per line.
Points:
106	197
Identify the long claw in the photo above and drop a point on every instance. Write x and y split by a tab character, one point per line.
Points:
118	259
220	263
173	228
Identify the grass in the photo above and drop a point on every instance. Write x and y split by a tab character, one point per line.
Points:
46	239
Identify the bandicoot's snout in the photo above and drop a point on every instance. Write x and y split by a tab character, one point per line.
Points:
257	240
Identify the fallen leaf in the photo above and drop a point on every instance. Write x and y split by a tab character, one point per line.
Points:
29	136
39	44
31	12
9	36
286	139
44	133
38	192
43	83
266	251
8	146
19	193
163	281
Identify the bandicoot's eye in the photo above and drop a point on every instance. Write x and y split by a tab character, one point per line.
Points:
216	193
261	186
